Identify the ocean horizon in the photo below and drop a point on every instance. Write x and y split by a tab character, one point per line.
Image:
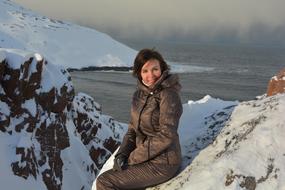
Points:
221	71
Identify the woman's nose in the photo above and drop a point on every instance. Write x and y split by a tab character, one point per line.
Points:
151	74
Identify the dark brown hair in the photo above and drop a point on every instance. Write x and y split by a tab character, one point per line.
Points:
145	55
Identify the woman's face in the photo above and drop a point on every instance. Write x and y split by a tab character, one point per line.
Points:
151	72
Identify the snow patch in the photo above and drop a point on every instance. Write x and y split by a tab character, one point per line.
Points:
31	106
4	108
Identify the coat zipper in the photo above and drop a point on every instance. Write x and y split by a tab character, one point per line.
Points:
143	108
167	156
151	93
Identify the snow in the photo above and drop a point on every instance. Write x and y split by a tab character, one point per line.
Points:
49	80
8	180
75	161
63	43
4	108
264	144
255	132
13	56
31	106
38	57
274	78
25	141
194	112
17	57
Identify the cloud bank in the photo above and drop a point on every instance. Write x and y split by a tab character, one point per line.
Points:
248	21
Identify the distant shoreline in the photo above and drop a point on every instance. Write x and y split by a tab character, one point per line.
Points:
103	68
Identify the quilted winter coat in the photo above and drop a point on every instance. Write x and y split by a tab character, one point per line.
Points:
152	132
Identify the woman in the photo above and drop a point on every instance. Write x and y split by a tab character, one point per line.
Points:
150	152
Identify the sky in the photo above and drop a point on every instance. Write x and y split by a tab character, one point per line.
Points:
225	21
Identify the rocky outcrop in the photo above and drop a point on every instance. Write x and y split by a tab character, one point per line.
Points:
41	115
277	84
36	111
100	134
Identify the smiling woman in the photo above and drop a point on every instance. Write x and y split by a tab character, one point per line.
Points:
150	153
148	66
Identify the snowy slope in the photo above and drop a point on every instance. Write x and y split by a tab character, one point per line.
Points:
230	145
67	44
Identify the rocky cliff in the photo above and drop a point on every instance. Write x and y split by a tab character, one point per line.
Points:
50	136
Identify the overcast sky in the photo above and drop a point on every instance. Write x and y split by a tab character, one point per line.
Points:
246	21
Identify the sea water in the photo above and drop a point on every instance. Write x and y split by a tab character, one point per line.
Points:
223	71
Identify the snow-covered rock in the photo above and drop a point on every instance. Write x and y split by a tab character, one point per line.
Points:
248	152
66	44
49	138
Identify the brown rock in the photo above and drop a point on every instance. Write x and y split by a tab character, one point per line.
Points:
30	167
277	84
2	69
97	155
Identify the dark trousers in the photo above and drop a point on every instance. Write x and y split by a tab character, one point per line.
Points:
137	176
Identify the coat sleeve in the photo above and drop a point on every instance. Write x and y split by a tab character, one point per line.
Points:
129	140
170	112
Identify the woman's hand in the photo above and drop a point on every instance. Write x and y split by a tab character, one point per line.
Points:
120	162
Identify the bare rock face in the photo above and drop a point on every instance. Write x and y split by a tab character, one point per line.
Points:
277	84
41	115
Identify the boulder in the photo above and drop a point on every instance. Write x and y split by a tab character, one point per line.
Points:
277	84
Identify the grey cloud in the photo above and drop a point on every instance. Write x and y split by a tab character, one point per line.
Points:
205	20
